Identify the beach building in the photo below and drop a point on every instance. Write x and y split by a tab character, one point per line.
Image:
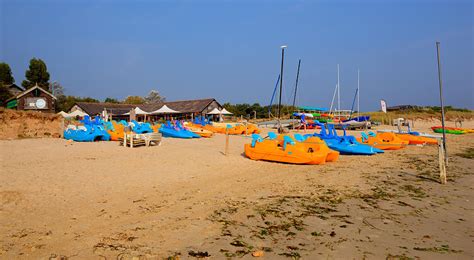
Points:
184	109
32	99
14	89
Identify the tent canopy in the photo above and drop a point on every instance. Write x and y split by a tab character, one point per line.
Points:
215	111
138	111
64	114
165	110
77	113
225	112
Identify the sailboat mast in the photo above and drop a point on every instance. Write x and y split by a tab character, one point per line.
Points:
358	94
338	91
281	84
333	97
296	84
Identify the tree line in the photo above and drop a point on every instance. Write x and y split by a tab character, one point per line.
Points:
37	73
255	110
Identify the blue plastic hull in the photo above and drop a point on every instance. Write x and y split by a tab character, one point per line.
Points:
90	135
351	148
168	132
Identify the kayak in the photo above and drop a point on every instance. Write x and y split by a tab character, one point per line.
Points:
449	131
452	130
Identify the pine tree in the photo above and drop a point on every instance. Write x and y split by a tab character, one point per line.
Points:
36	74
6	77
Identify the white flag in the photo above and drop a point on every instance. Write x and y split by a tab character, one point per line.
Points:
383	105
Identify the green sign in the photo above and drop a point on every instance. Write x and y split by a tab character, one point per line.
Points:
12	103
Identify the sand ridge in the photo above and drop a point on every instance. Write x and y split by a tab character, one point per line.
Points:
185	198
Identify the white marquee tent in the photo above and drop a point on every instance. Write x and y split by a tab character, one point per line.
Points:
215	111
165	110
138	111
225	112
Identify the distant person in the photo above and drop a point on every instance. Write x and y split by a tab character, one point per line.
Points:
303	121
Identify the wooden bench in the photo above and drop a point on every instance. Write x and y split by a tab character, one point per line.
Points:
135	140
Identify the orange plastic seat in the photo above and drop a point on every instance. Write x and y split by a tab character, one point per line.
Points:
286	151
414	139
383	141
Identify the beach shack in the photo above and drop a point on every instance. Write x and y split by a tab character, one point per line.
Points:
32	99
184	109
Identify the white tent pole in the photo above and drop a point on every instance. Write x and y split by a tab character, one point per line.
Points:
358	94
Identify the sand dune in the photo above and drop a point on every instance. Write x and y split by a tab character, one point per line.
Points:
185	198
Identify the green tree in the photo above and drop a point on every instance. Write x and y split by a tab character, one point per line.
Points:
154	97
36	74
4	94
65	103
134	100
6	77
111	100
56	89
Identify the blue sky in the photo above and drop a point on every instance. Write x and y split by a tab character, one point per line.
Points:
230	49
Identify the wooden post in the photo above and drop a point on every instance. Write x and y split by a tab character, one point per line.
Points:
124	138
62	128
131	140
226	141
442	162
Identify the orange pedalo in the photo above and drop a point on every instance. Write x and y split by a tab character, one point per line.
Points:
287	152
200	131
312	144
383	141
416	139
317	145
253	129
117	132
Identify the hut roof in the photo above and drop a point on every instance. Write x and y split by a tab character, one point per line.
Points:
189	106
183	106
97	108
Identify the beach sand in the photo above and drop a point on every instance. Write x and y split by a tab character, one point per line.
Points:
186	198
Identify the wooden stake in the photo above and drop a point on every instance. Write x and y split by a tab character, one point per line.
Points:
227	141
125	139
442	164
62	128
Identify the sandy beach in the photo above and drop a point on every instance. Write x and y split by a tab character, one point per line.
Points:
185	199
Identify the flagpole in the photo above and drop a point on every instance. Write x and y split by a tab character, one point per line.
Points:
441	101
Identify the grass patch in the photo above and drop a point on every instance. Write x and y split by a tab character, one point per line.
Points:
441	249
398	257
467	153
416	191
292	255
